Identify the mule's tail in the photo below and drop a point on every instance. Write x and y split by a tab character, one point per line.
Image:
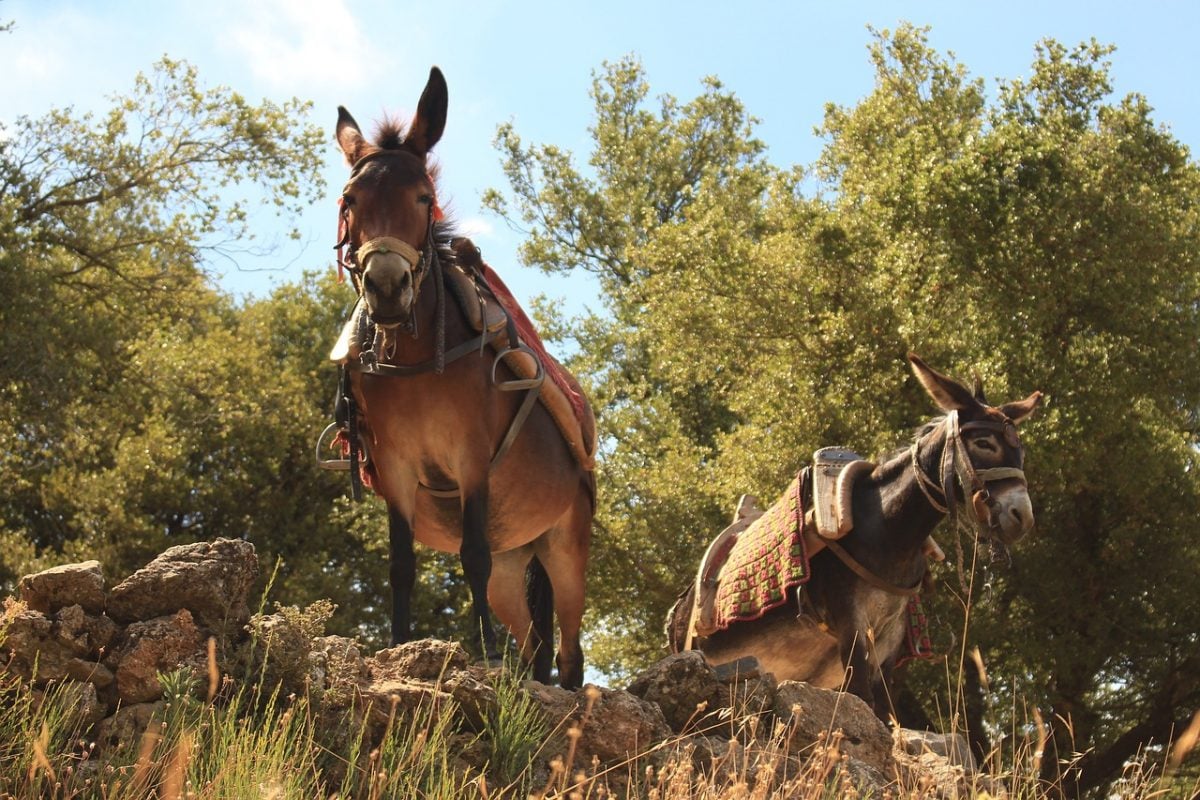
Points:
540	595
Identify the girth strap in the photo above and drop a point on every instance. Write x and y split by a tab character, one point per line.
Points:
532	388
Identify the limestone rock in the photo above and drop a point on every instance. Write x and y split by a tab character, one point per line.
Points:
427	659
78	700
157	645
67	585
613	725
45	642
427	671
698	698
683	685
124	729
952	747
814	713
212	580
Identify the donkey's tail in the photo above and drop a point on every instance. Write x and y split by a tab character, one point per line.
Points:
540	595
679	620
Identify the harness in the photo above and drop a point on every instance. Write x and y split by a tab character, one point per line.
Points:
955	465
373	360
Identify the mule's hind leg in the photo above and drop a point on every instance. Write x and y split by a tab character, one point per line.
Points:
563	551
506	593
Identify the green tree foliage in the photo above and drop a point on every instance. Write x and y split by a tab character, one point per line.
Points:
1045	235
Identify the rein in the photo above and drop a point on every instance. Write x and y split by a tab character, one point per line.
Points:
870	577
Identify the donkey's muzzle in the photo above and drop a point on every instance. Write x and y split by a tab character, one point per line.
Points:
1007	513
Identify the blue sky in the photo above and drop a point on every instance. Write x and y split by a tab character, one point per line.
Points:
532	62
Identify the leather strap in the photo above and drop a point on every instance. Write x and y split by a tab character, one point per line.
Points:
367	364
514	427
868	576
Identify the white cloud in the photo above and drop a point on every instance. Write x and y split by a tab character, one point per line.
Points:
40	61
475	227
310	44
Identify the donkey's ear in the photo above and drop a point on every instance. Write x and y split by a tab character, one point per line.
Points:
349	137
979	395
430	121
949	394
1019	411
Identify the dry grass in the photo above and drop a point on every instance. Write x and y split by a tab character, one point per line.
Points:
214	739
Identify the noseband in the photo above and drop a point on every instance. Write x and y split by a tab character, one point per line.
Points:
956	463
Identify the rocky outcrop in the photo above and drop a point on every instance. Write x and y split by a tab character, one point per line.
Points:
106	648
212	580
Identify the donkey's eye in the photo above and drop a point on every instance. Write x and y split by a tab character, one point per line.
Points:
985	444
425	199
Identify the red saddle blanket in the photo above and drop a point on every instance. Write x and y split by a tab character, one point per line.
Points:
770	557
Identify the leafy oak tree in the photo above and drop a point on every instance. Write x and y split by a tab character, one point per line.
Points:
1045	236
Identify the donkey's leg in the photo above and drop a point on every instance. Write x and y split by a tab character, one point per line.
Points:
476	558
881	687
402	572
849	620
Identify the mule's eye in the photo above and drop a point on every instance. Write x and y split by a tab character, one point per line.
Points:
425	199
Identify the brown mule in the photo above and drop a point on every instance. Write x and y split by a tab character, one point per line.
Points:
851	625
434	425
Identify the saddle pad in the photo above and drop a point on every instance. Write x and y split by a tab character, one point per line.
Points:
768	558
918	645
561	395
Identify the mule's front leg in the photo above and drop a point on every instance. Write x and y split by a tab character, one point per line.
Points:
402	573
476	558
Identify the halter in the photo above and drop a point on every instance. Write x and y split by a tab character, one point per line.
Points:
956	463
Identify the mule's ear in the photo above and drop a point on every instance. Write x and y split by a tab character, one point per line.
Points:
430	121
1021	409
349	137
949	394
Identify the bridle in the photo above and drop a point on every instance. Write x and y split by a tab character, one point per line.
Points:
353	258
956	464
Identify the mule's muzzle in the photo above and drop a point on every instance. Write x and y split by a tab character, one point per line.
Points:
391	278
